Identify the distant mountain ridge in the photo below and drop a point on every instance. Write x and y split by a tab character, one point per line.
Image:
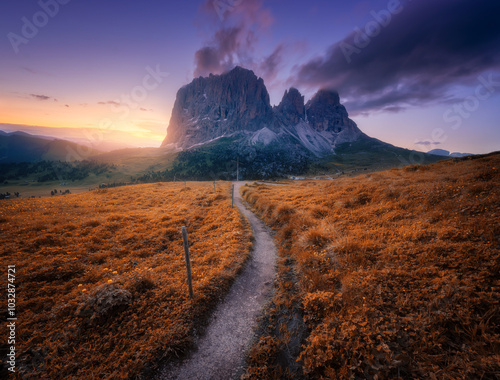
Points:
23	147
236	104
447	153
21	133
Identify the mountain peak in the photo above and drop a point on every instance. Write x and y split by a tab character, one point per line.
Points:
239	69
291	107
325	113
236	103
326	97
219	105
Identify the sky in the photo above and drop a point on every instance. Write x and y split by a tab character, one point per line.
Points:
418	74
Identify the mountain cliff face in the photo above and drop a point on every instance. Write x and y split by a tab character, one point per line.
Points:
217	106
327	116
291	110
236	104
325	113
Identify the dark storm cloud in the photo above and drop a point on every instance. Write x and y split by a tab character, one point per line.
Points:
234	40
412	59
229	47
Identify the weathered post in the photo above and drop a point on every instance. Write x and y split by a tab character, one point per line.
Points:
232	196
237	169
214	186
188	261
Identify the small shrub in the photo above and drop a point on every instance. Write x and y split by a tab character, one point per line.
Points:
106	302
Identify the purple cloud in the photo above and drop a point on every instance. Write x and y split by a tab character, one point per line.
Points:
413	58
234	41
270	65
41	97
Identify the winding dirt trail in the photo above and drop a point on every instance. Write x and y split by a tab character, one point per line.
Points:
222	350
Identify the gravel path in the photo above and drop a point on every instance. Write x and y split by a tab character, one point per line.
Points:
222	350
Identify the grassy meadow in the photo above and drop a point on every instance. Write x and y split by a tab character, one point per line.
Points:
385	275
101	289
382	275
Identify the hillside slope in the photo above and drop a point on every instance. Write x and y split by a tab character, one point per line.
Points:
23	147
395	274
101	285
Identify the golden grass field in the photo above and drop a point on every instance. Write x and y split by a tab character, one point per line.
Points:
397	273
101	288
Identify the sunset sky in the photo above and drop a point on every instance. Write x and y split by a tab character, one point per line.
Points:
418	74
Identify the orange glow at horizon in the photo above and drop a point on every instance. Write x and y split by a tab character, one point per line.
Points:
140	128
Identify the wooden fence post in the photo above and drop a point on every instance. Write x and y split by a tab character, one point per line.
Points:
232	196
188	261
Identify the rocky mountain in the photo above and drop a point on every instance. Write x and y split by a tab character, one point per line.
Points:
224	124
325	114
291	110
236	104
220	105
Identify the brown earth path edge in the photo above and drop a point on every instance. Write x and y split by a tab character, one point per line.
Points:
223	349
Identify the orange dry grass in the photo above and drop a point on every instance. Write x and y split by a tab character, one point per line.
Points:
398	271
74	254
